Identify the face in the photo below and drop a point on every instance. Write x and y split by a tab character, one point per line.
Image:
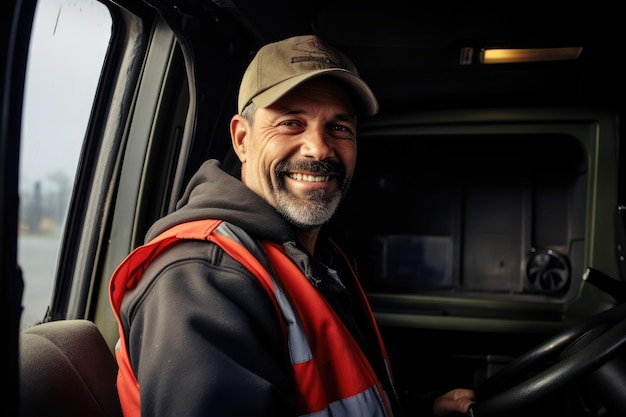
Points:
300	153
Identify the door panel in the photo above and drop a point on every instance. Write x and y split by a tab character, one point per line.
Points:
15	26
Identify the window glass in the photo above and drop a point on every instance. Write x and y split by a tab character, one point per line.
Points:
67	48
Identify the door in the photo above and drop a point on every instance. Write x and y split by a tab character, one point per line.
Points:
17	17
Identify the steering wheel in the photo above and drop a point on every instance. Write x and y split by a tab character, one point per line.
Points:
578	352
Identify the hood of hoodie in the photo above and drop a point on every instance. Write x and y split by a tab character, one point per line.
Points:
212	193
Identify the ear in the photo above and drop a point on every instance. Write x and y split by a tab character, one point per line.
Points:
238	133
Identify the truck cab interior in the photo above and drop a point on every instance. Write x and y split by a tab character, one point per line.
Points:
486	214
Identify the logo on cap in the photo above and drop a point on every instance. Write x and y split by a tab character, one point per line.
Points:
312	46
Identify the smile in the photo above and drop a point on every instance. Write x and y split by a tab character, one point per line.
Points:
309	178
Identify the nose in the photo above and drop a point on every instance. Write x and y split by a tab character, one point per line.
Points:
317	144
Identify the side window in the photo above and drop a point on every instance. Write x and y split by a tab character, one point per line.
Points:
67	49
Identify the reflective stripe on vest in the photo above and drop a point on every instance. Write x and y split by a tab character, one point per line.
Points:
333	379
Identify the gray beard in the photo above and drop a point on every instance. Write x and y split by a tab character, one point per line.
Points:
318	209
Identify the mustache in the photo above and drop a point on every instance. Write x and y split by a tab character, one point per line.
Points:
325	167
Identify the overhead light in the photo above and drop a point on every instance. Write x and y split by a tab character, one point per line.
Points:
517	55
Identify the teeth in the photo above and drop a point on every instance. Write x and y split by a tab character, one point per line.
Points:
309	178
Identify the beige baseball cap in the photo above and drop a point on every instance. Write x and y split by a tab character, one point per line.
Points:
280	66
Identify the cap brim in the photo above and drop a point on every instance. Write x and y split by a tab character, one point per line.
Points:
366	100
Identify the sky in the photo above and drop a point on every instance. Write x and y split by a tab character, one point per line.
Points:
67	47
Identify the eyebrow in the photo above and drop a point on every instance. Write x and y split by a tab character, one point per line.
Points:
344	117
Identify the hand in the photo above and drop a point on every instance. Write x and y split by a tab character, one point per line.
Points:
455	401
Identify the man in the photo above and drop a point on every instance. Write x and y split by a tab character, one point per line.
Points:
237	305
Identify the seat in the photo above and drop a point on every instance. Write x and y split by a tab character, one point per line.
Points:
67	369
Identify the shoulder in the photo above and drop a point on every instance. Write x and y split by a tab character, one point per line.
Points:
191	268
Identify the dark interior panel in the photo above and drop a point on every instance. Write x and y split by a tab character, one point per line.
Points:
492	214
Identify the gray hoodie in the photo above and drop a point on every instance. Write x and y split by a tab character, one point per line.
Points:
203	336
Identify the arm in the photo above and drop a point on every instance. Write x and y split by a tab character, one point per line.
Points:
455	401
205	340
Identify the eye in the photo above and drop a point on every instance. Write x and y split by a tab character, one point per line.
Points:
341	131
290	123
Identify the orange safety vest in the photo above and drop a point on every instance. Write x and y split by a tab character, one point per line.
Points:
333	378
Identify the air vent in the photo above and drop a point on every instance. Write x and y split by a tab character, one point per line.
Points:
547	272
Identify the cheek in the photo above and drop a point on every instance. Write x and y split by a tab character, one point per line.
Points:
348	156
257	156
276	152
